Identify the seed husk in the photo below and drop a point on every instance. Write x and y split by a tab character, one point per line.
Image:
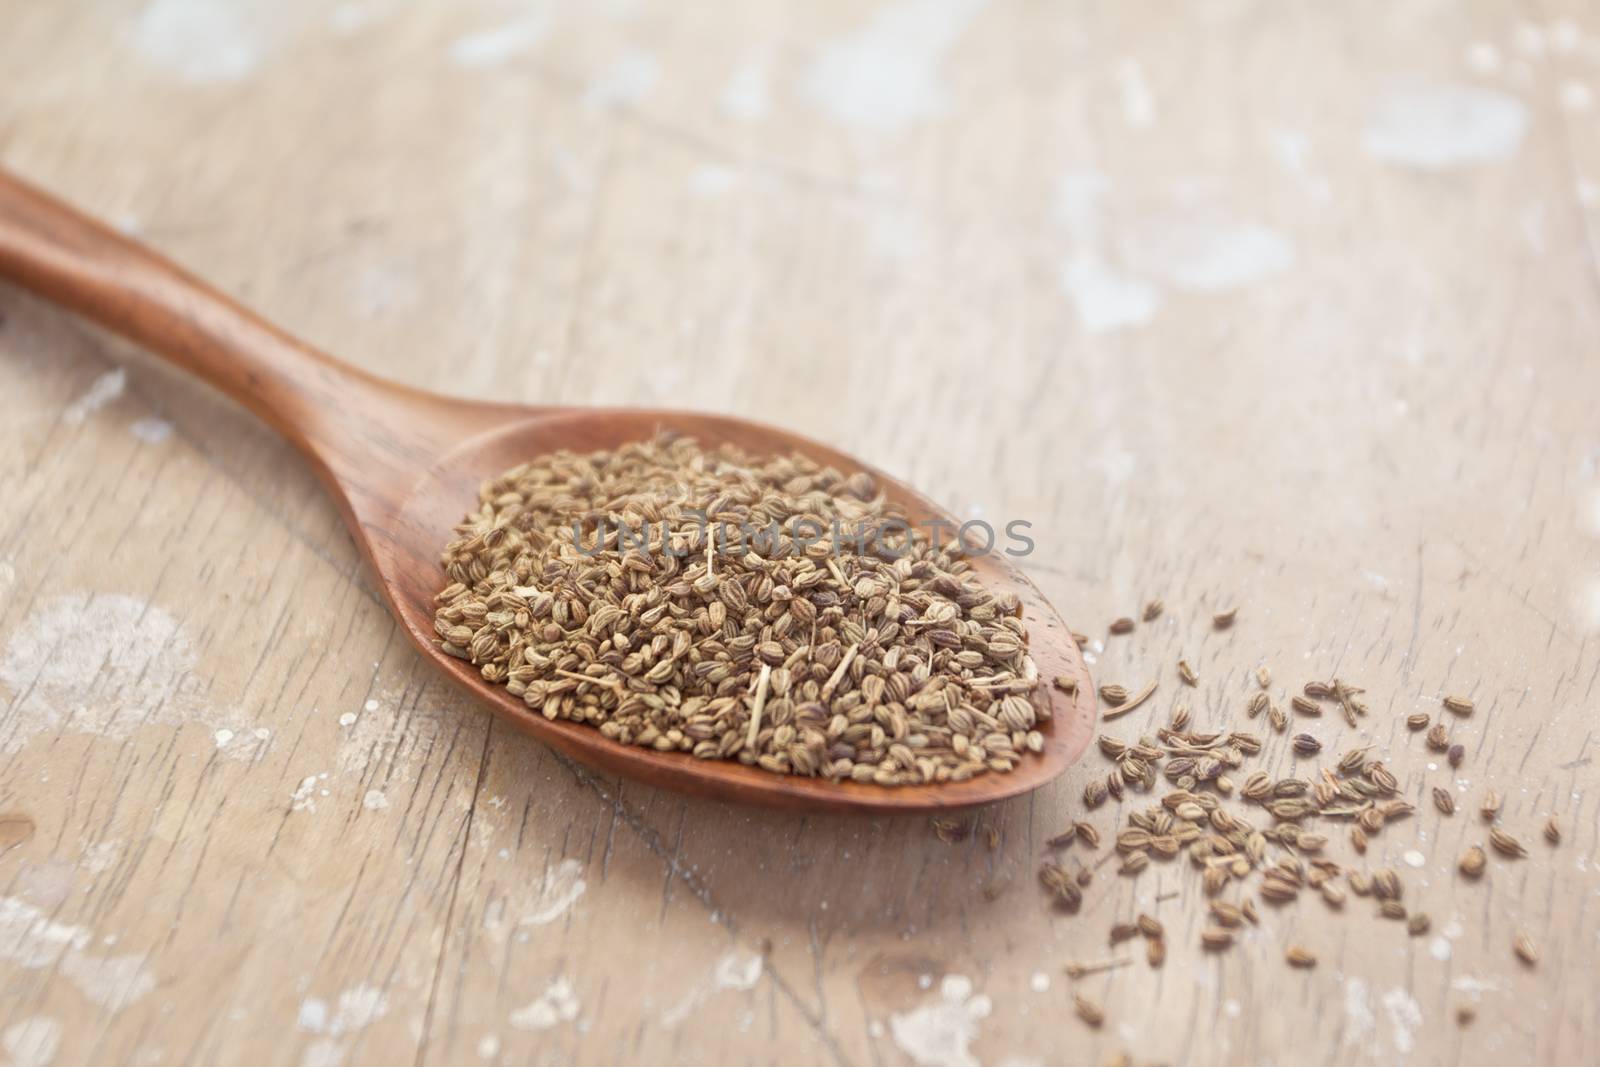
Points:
1419	721
1439	737
1306	745
1505	844
1300	957
1526	950
1552	831
1491	806
1113	694
1088	1010
1224	619
1444	801
1473	861
1458	705
1152	610
1187	673
1263	677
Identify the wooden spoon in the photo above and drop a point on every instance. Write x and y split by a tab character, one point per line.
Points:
405	465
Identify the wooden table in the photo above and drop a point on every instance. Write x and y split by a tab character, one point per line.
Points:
1285	306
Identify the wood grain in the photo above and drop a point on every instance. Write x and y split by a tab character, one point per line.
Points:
1384	452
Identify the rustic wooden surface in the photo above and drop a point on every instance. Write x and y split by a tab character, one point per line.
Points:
1288	306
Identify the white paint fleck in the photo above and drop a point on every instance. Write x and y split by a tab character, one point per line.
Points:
222	737
747	97
1443	126
358	1007
197	40
33	1042
1414	858
886	74
1207	251
1360	1023
1040	982
102	391
628	79
113	982
1404	1017
304	796
313	1015
1474	985
1587	606
1232	1008
557	1004
1439	948
488	1047
1137	104
940	1033
151	430
712	180
1565	35
563	884
347	718
1528	39
1576	98
737	970
1483	58
371	705
374	800
32	940
104	664
101	856
8	574
1105	299
491	47
323	1052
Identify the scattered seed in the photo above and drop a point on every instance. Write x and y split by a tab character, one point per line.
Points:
1505	844
1113	694
1465	1014
1525	949
1419	721
1129	703
1455	754
1224	619
1473	861
1278	718
1066	683
1458	705
1306	745
1392	909
1215	938
1299	957
1155	951
1305	706
950	831
1491	806
1121	932
1062	886
1444	801
1123	625
1088	1010
991	838
1152	610
1552	831
1187	673
1439	737
1087	834
1417	925
1150	926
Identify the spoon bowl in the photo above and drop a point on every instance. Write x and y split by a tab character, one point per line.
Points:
405	466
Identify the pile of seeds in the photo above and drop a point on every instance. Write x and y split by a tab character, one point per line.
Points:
1249	835
639	591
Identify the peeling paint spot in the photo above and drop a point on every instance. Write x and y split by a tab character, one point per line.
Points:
1445	126
102	391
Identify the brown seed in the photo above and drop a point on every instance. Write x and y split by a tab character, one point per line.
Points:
1358	839
1226	914
1066	683
1155	951
1439	737
1473	862
1525	949
1129	703
1088	1010
1552	831
1505	844
1121	932
1061	885
1491	806
1113	694
950	831
1459	705
1123	625
1392	909
1306	745
1224	619
1444	801
1419	721
1263	677
1386	884
1215	938
1465	1014
1187	673
1094	794
1305	706
1317	690
1150	926
1455	754
1277	717
1299	957
991	838
1087	834
1417	925
1153	610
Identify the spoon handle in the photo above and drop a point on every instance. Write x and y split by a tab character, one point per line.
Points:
71	260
